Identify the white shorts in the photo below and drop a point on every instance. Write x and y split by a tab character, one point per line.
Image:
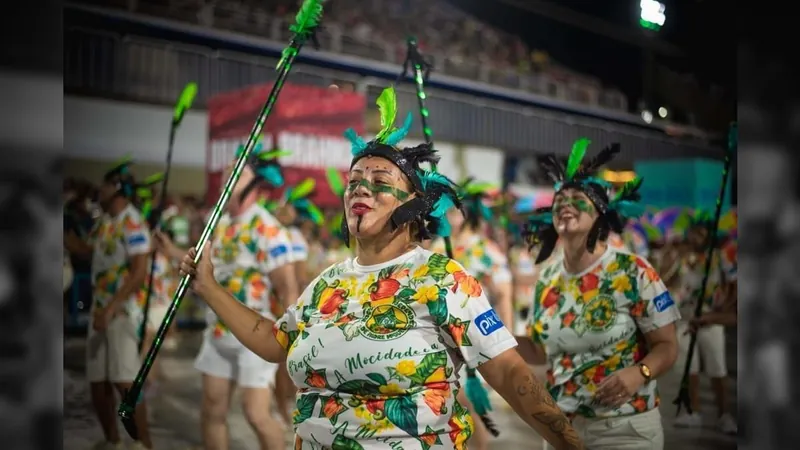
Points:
230	359
155	316
642	431
710	346
113	355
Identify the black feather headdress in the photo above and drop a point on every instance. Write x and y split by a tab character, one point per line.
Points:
579	174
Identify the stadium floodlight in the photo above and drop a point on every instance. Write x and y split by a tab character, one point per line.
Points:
652	16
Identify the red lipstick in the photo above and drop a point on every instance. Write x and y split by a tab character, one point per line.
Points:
360	209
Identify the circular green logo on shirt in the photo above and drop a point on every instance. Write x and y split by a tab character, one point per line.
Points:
387	322
600	313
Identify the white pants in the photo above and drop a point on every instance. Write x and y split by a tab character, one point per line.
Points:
710	346
113	355
228	358
635	432
155	316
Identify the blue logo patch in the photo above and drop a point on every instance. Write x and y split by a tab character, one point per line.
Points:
663	301
278	251
137	239
488	322
298	248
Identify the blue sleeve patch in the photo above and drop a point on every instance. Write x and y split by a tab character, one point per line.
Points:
488	322
137	239
280	250
663	301
298	248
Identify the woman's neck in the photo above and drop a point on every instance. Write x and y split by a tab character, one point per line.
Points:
384	247
577	258
237	206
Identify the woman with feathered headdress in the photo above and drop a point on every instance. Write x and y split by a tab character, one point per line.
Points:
375	342
601	317
251	253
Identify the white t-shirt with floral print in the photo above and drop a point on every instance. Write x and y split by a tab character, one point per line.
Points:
115	240
591	324
375	352
244	251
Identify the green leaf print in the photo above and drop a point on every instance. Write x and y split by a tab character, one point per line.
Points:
438	308
624	261
317	291
585	411
437	266
428	365
305	408
387	272
405	294
360	387
345	443
402	412
378	378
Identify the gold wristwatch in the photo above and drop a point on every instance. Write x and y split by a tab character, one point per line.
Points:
645	371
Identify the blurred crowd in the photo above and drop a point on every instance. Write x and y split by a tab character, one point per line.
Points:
456	43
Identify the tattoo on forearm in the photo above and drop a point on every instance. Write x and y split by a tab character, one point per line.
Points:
541	407
258	324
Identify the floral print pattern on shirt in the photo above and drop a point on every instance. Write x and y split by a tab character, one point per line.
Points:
375	352
245	250
115	240
592	324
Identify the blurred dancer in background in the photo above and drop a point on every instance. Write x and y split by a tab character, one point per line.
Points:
119	246
710	344
294	209
484	260
252	257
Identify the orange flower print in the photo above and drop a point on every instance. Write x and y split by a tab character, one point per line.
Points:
220	330
467	284
649	272
457	332
400	274
566	362
332	408
639	403
261	256
281	336
460	430
430	439
570	388
298	443
638	309
436	397
316	378
130	225
568	318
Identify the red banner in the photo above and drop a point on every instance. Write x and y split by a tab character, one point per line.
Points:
306	120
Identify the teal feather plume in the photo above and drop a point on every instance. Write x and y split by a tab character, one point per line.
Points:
357	143
399	134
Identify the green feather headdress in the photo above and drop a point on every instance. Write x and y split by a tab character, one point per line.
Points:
473	195
265	163
120	173
298	196
435	193
578	173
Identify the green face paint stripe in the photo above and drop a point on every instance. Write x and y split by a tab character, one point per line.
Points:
378	189
578	203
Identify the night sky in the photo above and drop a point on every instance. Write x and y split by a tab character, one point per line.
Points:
699	27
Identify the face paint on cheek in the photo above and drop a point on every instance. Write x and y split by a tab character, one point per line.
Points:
583	205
